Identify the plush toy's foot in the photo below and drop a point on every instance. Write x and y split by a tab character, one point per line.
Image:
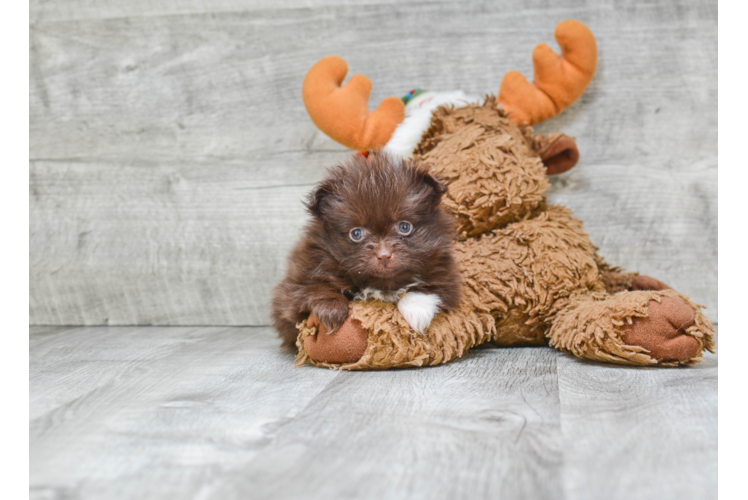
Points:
663	331
654	327
346	345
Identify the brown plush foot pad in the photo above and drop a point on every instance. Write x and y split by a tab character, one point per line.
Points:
347	345
663	331
647	283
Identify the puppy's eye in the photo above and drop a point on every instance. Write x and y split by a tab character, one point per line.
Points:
356	234
404	228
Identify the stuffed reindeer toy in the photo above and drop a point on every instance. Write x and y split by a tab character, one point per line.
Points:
530	274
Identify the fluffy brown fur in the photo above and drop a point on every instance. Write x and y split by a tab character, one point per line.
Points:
327	268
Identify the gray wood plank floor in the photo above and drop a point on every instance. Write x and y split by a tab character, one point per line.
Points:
221	413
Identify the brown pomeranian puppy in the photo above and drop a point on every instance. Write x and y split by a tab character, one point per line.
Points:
378	231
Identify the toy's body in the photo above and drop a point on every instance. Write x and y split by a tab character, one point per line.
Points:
531	274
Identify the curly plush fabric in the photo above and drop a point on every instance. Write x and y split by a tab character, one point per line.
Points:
393	344
493	174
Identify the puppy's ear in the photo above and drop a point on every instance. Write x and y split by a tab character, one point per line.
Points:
437	187
316	200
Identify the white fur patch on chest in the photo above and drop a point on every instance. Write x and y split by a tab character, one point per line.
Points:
392	297
374	294
418	309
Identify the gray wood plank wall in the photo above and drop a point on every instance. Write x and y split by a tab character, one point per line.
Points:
169	147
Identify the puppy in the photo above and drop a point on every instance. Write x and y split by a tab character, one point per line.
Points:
377	231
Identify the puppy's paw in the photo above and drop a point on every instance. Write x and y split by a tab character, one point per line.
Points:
332	313
419	309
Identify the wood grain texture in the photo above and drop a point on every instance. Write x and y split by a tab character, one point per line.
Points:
220	412
486	427
181	412
156	413
638	433
170	148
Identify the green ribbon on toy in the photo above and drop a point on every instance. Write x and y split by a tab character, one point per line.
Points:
410	95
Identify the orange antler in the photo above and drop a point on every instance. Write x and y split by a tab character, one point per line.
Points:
342	112
559	81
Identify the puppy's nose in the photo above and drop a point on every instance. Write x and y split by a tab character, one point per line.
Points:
384	254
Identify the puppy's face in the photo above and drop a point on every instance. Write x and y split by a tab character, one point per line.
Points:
382	220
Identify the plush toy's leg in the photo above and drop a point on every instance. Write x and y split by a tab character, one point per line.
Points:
641	282
526	272
375	336
616	280
636	328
